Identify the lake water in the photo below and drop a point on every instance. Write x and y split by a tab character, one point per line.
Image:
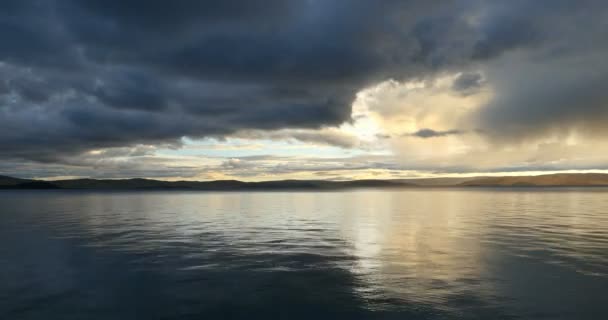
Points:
367	254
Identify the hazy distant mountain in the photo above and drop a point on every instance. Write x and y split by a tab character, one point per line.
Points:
562	179
552	180
438	182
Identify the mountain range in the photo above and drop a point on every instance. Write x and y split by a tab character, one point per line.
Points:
550	180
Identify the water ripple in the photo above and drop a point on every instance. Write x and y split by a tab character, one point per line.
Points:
425	254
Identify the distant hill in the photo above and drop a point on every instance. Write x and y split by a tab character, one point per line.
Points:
10	181
551	180
220	185
111	184
438	182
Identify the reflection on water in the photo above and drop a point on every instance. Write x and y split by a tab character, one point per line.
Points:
422	254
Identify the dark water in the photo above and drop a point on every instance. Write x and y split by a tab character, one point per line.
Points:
412	254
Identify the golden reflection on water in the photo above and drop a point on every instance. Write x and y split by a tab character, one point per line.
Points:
414	246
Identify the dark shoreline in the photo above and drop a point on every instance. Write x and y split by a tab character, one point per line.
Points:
552	181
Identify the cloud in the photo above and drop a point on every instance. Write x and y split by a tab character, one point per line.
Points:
553	84
77	76
83	75
323	136
232	164
468	83
555	97
430	133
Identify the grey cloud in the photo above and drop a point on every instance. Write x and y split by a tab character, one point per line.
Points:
105	165
430	133
235	164
325	137
131	90
468	83
558	85
550	97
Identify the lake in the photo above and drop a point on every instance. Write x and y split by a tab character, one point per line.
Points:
366	254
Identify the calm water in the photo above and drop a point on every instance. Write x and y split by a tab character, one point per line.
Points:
411	254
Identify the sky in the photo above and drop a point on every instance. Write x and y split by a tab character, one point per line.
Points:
302	89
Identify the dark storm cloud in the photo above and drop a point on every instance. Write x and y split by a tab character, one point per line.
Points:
81	75
132	90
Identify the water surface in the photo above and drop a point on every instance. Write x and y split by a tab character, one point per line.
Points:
368	254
